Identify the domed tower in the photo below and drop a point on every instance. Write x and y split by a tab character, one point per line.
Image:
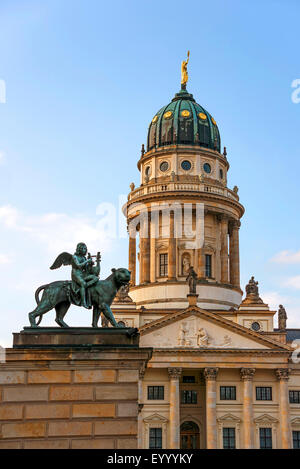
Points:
183	213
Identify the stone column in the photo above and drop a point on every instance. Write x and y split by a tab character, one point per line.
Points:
285	427
174	374
140	407
234	253
172	250
145	249
210	375
132	253
224	249
247	377
201	263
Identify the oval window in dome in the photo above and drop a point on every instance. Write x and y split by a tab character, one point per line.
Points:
164	166
185	113
186	165
168	114
154	120
207	168
202	116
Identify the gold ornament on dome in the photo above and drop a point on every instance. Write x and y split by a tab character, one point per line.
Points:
185	113
154	119
202	116
168	114
213	121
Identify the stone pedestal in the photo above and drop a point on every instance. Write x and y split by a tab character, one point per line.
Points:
73	388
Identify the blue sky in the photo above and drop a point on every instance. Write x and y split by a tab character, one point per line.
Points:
84	79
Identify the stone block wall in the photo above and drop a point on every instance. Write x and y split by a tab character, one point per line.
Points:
66	398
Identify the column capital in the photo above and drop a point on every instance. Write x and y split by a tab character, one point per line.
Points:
174	373
247	374
211	373
283	374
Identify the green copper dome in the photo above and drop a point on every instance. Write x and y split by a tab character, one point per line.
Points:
183	122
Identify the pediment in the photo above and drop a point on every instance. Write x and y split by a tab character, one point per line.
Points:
265	418
200	329
155	418
229	418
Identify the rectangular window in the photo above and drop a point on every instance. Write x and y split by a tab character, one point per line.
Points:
188	379
229	438
265	438
163	265
156	393
228	393
296	440
294	397
188	397
208	270
155	438
263	393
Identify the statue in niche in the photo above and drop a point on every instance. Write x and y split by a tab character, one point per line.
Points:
282	318
186	264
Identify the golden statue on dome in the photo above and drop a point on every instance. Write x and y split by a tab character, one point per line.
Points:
184	72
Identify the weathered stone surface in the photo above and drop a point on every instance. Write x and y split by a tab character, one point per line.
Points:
127	443
12	377
11	412
94	410
128	376
115	427
10	444
47	411
25	393
23	430
127	409
53	376
94	376
76	336
124	392
46	444
71	393
70	428
103	443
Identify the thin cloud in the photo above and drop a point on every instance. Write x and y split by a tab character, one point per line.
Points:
293	282
2	157
287	257
4	259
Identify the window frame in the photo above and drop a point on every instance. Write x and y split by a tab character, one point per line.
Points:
208	266
229	437
163	266
225	388
260	397
297	391
160	438
192	397
265	437
156	390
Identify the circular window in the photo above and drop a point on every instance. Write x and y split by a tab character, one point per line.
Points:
148	171
255	326
185	113
207	168
186	165
221	174
164	166
168	114
202	116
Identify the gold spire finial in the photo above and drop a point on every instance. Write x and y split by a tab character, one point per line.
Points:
184	72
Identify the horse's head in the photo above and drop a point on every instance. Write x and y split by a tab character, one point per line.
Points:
121	276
